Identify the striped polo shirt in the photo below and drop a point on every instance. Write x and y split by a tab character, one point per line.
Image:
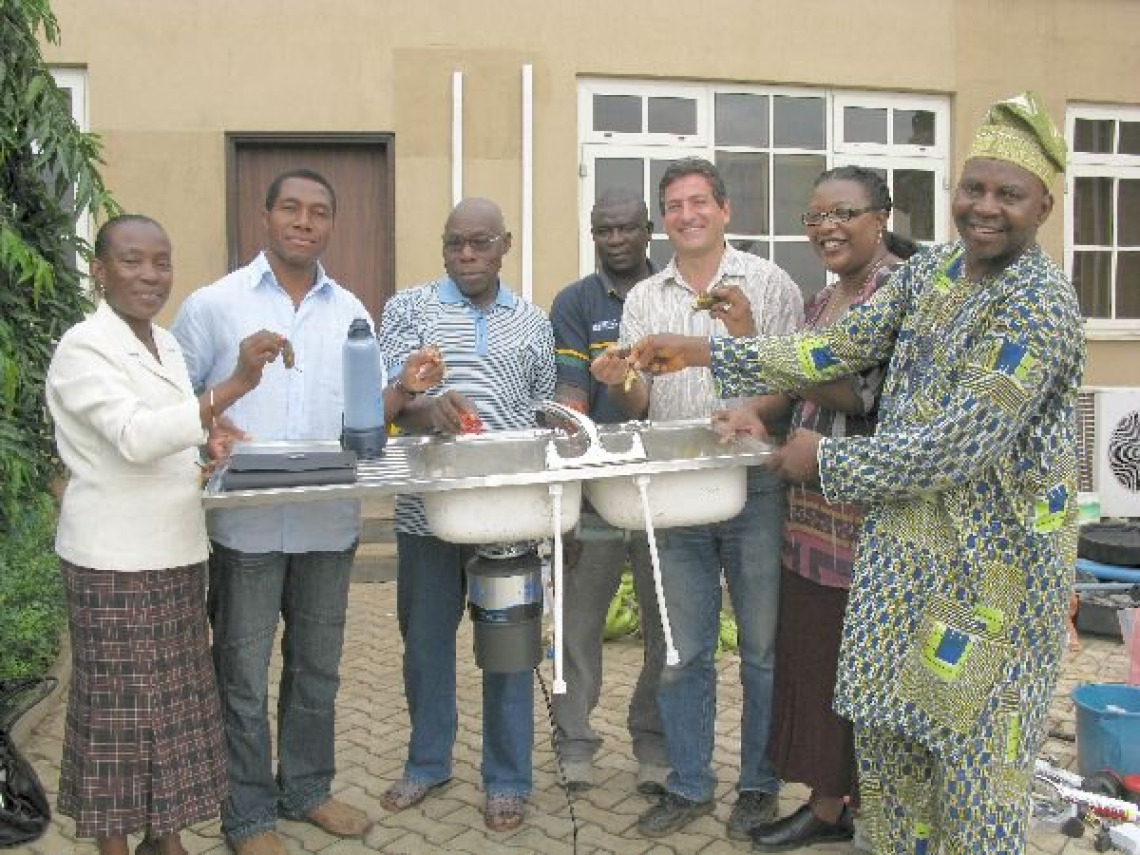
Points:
500	357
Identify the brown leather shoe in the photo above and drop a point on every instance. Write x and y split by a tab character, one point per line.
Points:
266	843
339	819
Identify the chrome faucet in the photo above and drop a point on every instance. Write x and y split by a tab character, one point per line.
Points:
595	452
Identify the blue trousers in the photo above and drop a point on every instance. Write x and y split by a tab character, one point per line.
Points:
248	593
430	597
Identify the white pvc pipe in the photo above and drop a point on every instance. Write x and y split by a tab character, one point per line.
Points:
672	657
456	137
559	680
527	180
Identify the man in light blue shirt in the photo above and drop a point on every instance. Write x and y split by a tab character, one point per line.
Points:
291	560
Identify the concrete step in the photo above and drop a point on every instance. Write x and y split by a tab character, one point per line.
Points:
375	562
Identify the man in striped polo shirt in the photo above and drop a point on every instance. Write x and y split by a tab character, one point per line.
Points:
499	353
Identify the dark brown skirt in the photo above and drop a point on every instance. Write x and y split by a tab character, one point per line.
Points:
809	743
144	746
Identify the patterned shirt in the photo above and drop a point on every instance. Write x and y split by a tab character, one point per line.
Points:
820	536
500	357
663	303
955	622
305	404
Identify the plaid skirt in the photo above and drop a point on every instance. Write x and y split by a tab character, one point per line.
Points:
144	746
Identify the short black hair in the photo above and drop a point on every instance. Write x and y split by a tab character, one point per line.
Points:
878	196
307	174
685	167
103	237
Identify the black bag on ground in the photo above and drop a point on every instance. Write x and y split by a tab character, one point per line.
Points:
24	809
247	470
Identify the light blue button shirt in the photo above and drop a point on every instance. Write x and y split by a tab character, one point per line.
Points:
305	403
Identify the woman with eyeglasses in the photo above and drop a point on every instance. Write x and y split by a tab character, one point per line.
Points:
846	224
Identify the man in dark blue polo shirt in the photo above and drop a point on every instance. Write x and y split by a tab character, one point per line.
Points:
586	316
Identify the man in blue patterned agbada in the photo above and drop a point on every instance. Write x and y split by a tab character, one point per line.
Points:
954	630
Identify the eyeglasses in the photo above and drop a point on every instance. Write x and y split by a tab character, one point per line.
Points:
624	230
839	215
478	243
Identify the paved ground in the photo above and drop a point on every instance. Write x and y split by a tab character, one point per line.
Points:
372	729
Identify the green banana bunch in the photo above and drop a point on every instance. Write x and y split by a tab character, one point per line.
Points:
727	638
623	615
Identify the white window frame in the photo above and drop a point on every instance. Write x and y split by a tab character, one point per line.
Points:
1095	165
593	144
75	80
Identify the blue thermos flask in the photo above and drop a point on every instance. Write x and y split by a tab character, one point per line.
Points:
364	381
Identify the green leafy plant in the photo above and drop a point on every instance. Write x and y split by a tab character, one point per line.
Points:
48	178
31	592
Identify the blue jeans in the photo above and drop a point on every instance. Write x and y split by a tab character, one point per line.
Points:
248	591
747	548
431	594
589	587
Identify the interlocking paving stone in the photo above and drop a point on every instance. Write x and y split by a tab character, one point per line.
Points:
372	731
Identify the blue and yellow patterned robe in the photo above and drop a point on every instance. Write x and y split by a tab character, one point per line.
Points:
955	624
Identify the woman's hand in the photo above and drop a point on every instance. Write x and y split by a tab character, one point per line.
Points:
797	460
732	308
666	353
222	437
423	369
739	421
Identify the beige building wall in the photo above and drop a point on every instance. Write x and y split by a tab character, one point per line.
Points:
167	80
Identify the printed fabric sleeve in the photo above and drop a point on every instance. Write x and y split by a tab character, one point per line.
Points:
90	387
766	365
195	336
571	339
1015	363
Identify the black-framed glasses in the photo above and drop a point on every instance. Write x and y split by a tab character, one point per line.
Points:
625	230
478	243
839	215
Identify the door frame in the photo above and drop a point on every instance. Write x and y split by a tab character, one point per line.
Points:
386	141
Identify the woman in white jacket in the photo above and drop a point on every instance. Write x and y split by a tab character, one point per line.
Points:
144	749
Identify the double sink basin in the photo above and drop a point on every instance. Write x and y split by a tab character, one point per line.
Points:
504	486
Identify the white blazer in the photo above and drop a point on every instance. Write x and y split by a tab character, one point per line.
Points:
127	427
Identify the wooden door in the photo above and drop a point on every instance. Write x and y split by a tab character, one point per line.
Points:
361	254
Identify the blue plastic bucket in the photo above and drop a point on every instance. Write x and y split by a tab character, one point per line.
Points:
1108	738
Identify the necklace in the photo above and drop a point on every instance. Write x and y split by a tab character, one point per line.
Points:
837	305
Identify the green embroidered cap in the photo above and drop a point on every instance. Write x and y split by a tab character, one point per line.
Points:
1020	131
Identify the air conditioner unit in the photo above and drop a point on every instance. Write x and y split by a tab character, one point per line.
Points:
1109	434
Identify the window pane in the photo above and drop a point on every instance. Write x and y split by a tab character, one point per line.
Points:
792	177
742	120
619	173
914	127
800	260
1091	271
619	114
672	116
1128	285
914	203
656	170
1093	135
863	125
1129	138
1128	213
797	122
1092	211
753	246
746	177
660	251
